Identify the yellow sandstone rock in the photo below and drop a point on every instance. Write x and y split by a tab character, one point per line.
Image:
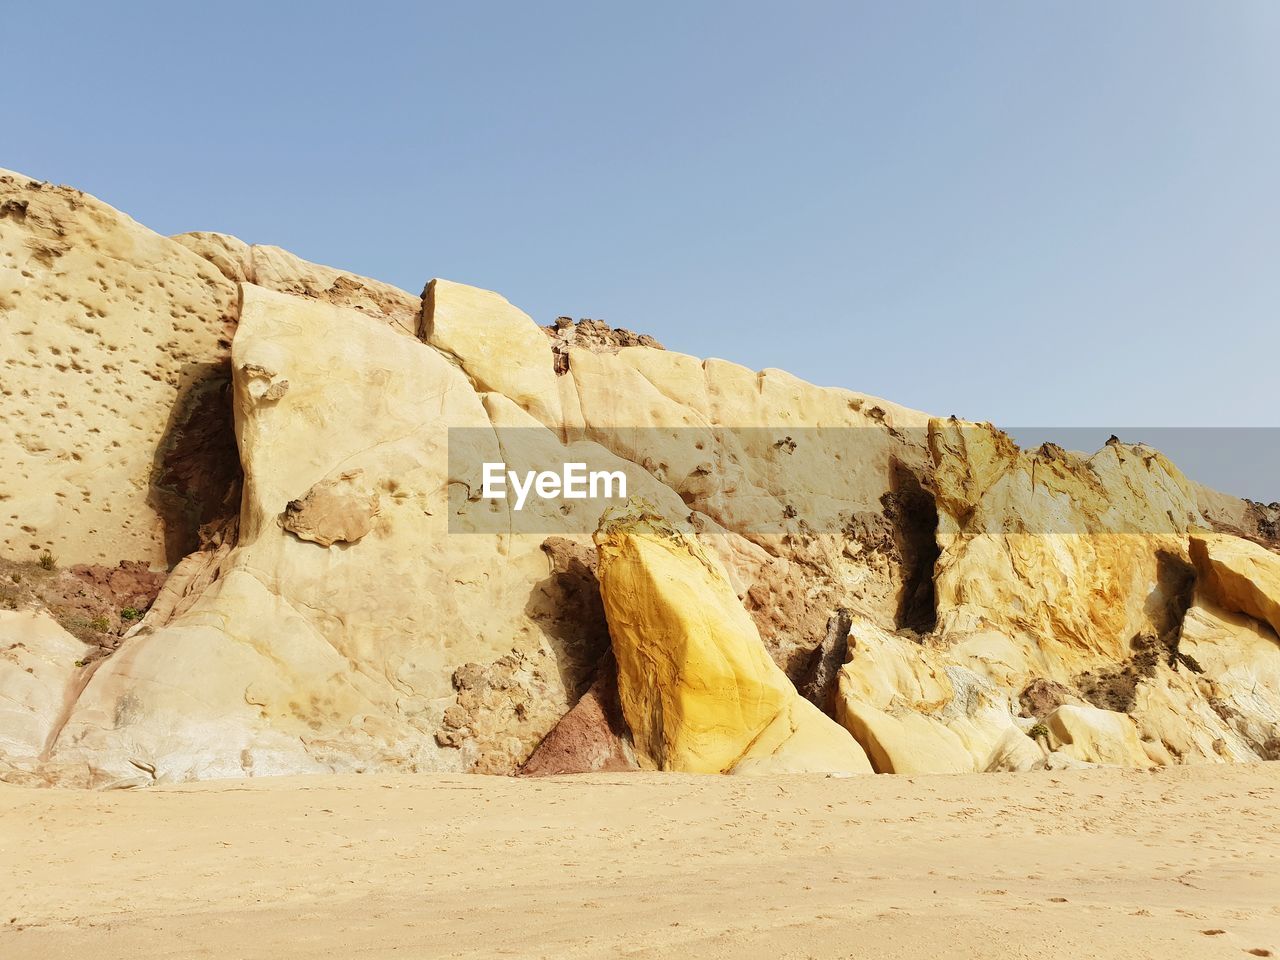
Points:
1071	569
498	346
909	744
1097	736
127	333
303	656
1069	556
697	687
114	374
1239	575
1227	709
1015	752
912	711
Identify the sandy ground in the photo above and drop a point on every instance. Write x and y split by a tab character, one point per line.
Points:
1104	863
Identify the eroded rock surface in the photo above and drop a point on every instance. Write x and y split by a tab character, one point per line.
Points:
1239	576
112	333
279	270
698	690
41	672
1064	584
340	509
115	376
342	598
596	335
593	736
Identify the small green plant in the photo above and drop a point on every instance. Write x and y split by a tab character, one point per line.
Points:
100	623
46	561
129	614
1038	731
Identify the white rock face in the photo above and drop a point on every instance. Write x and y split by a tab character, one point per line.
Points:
40	676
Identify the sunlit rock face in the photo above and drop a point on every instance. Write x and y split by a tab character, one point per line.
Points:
698	690
114	357
116	373
293	444
346	622
41	672
1059	571
340	623
1239	576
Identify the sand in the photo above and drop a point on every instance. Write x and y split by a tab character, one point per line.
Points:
1178	863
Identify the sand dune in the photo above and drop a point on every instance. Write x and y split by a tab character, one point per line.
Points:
1181	862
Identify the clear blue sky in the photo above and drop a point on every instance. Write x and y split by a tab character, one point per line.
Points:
1060	213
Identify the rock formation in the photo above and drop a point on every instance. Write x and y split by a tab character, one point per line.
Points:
698	690
1240	576
41	670
114	339
295	447
1069	574
593	736
116	373
280	270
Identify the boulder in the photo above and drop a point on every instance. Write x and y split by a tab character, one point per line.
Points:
911	710
499	346
909	744
1015	752
697	687
1239	575
1097	736
41	672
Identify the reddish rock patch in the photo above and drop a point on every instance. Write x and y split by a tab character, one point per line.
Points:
592	737
96	603
1041	697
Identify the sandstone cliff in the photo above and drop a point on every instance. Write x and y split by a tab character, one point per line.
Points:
294	444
